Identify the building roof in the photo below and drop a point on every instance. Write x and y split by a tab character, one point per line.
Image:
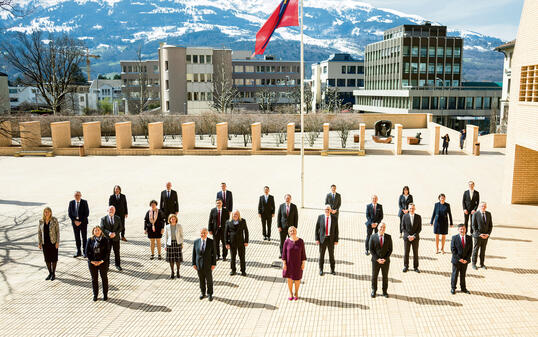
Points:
507	45
342	57
3	74
96	84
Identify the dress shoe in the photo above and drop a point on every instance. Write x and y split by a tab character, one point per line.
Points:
243	273
321	273
218	258
405	269
53	277
400	235
224	259
483	266
210	298
159	257
465	291
367	253
373	294
172	275
124	239
386	295
265	238
417	270
232	273
453	291
177	274
268	239
280	257
151	257
48	277
474	267
105	297
333	272
201	297
77	255
119	268
95	298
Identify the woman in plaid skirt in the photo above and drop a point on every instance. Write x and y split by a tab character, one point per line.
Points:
173	235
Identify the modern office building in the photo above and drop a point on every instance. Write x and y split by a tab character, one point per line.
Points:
187	76
251	76
341	72
135	74
417	68
508	50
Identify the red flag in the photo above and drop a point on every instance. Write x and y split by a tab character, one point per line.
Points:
285	15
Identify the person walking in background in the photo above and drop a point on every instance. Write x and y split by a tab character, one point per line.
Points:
381	248
154	228
97	249
266	211
334	199
412	225
227	198
326	235
48	238
204	262
111	227
463	135
218	217
287	216
236	237
461	247
374	215
482	226
78	212
173	235
293	261
440	217
119	201
471	199
446	140
169	203
403	203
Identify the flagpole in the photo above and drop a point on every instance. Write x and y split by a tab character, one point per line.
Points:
302	108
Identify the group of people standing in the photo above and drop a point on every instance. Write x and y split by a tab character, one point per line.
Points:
230	233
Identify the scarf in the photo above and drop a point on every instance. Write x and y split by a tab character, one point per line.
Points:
153	217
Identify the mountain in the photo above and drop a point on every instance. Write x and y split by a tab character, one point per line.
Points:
115	29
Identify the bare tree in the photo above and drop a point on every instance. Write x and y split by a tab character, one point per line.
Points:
313	127
223	91
493	120
295	96
14	9
48	66
240	125
143	92
333	100
208	125
266	99
343	126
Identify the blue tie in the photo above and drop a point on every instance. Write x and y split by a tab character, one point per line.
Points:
203	246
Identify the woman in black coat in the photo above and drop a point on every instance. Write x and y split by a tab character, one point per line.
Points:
154	227
440	217
403	204
446	140
97	250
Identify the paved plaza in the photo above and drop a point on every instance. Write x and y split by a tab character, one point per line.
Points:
144	301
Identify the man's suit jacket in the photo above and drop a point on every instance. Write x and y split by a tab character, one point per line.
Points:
287	220
468	203
169	205
120	204
404	203
379	252
213	224
266	208
108	227
83	211
334	202
481	227
409	229
229	204
320	229
236	235
371	217
460	252
203	260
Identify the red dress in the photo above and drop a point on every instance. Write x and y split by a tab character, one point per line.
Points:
294	254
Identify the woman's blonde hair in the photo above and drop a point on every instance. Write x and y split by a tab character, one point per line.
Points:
93	229
290	228
47	209
173	216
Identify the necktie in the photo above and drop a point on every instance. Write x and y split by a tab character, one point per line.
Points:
77	209
111	220
374	209
484	216
168	192
462	242
203	246
266	199
381	241
326	226
287	210
224	197
117	197
333	196
218	217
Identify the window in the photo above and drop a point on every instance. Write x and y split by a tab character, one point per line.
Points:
341	82
422	68
435	103
324	69
448	51
238	69
13	99
431	83
440	51
81	98
455	83
351	82
330	82
414	68
457	51
189	77
249	81
421	83
167	105
478	103
414	51
189	59
448	68
461	103
202	96
405	50
249	69
195	78
155	69
431	51
468	103
447	83
406	67
351	69
258	81
431	68
456	68
189	96
129	69
405	83
452	103
439	68
202	58
416	103
360	82
442	103
202	77
209	96
195	60
209	77
425	103
208	59
423	52
360	69
487	102
344	68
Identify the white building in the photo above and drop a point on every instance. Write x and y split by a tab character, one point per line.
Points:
508	50
25	95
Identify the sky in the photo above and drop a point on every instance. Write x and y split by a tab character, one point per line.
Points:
499	18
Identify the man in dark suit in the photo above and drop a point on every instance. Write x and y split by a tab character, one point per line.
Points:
482	226
217	226
374	215
287	216
226	197
111	227
411	225
327	237
119	201
78	212
236	240
266	211
204	262
381	248
169	204
461	247
334	200
471	199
